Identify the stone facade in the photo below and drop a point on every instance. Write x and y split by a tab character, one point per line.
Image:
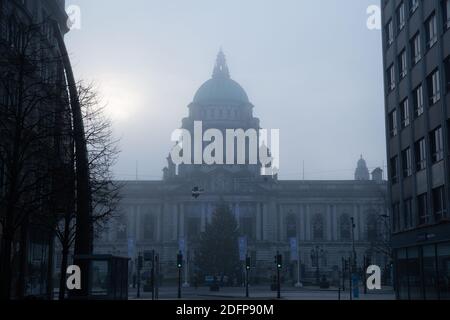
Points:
269	212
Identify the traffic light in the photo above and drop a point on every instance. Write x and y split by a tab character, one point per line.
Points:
179	260
248	263
279	261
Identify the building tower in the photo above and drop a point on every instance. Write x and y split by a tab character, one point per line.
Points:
362	172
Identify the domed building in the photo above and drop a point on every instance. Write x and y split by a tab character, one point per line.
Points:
220	103
309	222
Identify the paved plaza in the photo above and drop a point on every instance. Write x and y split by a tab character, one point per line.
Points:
262	293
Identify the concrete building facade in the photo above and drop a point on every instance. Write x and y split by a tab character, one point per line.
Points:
416	56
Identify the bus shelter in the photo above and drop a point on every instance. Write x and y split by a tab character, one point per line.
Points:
109	277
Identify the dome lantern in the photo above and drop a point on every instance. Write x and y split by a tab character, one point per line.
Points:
221	89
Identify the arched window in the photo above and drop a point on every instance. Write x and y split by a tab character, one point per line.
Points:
318	227
345	227
291	226
372	227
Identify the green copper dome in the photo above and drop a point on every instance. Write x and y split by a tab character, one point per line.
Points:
221	88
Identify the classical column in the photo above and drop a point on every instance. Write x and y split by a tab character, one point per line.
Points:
356	220
258	221
133	223
209	212
335	223
301	223
308	223
278	217
181	223
174	221
237	214
329	217
266	222
274	212
203	218
139	223
159	223
361	223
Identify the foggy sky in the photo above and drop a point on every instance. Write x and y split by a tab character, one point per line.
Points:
311	68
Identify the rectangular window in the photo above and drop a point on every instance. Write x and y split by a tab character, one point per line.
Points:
421	155
393	123
434	87
408	214
407	162
401	19
389	33
2	176
447	72
404	108
431	28
402	64
396	216
439	206
422	209
394	170
446	14
418	101
437	145
416	49
413	5
391	77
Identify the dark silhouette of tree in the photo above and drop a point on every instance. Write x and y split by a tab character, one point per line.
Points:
218	251
84	237
33	112
56	154
103	152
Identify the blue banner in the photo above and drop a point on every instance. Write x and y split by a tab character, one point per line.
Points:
293	244
242	248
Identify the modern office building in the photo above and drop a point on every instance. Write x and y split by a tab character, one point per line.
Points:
416	56
27	38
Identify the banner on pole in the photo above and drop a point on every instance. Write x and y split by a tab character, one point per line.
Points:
242	248
293	244
182	246
131	248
